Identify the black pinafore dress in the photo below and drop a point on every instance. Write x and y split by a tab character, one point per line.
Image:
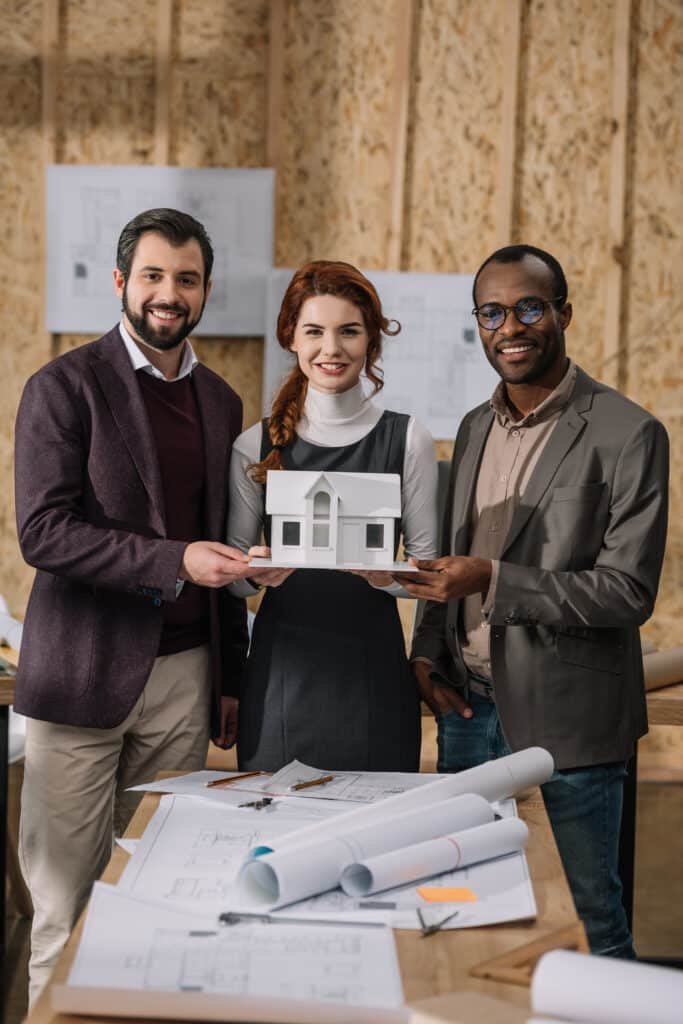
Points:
327	679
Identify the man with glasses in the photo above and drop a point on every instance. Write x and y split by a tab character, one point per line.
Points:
553	544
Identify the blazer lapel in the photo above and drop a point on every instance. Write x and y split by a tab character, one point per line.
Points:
569	427
214	413
465	480
116	378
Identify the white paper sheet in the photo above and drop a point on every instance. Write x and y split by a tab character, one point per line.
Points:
88	207
502	888
195	785
603	990
434	857
435	369
129	845
494	780
354	787
191	851
346	789
138	946
185	859
301	871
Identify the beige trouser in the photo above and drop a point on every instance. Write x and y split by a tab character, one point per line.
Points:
72	799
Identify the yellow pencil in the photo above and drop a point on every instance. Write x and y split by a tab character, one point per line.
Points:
312	782
217	783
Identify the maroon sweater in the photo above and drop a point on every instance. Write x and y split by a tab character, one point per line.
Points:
177	430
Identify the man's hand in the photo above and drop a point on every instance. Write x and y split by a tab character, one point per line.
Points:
441	579
440	698
263	576
210	564
228	724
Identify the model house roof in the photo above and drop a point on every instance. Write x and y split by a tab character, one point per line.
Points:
359	494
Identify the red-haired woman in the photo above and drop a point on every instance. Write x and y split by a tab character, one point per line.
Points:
327	679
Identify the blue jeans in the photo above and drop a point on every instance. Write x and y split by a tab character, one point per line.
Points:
584	808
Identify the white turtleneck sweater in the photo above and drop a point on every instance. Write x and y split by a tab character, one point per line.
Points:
333	421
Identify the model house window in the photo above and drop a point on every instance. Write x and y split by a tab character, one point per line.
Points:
321	505
321	520
291	534
374	535
321	535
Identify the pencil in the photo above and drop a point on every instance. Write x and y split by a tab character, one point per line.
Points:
312	782
217	783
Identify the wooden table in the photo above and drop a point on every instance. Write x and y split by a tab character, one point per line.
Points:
430	966
665	706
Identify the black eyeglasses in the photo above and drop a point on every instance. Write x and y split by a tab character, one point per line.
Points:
528	310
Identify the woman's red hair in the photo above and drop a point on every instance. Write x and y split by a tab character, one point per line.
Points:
319	277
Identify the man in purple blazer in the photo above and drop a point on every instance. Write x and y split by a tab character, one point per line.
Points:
132	653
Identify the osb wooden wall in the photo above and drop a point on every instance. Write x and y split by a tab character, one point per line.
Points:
329	122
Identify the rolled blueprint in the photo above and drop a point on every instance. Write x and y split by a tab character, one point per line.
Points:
494	780
663	668
295	873
447	853
603	990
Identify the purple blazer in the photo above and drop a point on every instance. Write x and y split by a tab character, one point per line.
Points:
90	518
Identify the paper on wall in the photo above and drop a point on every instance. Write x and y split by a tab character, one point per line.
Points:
89	205
434	369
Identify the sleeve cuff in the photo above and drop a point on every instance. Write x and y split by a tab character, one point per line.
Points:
490	599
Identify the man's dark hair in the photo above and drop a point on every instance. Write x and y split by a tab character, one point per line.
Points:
175	226
515	253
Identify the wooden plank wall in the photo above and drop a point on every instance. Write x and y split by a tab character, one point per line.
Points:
417	134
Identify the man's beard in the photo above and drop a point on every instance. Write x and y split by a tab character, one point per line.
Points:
161	338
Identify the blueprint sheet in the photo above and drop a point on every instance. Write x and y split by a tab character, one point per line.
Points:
134	945
348	787
435	369
192	849
191	852
88	206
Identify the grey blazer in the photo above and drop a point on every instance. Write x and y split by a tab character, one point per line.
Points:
90	518
578	575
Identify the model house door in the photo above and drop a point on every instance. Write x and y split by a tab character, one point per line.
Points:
351	538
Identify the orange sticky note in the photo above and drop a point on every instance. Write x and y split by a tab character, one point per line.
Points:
442	894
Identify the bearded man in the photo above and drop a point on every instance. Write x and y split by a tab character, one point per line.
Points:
131	653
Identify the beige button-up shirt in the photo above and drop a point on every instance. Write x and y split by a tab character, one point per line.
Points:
512	450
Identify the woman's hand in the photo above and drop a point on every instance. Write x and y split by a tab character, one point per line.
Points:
263	576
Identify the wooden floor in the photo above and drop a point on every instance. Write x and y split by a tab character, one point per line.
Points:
658	923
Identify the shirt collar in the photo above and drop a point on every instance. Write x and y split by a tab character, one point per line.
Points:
140	361
555	401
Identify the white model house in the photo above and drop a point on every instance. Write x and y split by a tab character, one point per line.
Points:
342	519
